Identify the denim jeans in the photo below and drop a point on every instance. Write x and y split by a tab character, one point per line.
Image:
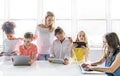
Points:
43	57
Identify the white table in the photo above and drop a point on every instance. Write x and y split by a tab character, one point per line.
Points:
41	68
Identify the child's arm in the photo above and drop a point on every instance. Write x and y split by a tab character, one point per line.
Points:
86	50
33	58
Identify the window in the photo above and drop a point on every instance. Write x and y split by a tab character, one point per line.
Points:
1	9
94	34
91	9
24	26
115	12
23	9
116	27
71	15
91	16
61	8
24	14
1	33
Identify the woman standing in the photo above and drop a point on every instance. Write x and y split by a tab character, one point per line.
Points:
45	36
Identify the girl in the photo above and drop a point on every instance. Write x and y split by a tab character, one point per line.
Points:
81	53
45	36
111	46
11	43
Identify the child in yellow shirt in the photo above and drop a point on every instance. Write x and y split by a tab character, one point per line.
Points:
81	53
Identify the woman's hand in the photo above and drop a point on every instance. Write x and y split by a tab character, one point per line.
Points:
87	67
84	65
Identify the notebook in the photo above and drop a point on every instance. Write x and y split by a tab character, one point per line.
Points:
85	71
21	60
56	60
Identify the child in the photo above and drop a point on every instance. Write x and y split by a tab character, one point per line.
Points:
45	36
11	43
61	47
81	53
28	48
111	45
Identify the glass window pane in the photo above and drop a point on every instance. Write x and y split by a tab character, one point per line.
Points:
94	30
91	9
115	12
20	9
65	25
116	27
1	9
1	33
61	8
24	26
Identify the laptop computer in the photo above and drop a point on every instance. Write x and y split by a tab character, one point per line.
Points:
85	71
56	60
21	60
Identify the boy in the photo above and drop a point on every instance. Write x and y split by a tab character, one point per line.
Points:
28	48
61	48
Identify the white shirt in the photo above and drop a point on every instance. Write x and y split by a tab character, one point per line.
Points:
44	40
10	46
61	50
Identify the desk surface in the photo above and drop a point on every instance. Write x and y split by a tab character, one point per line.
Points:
41	68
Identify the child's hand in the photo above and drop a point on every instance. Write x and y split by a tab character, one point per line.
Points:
83	47
74	45
70	39
1	54
14	53
31	61
50	59
65	61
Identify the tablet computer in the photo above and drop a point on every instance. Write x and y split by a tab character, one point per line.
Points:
56	60
79	44
21	60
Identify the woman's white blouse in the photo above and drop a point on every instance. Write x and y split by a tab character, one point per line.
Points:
44	40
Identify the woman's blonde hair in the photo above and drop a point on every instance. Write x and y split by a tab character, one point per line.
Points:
85	37
52	27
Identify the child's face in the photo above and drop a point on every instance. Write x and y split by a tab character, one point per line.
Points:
60	36
10	36
81	37
27	41
49	21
